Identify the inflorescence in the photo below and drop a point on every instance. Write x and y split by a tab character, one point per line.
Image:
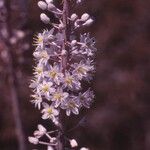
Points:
61	68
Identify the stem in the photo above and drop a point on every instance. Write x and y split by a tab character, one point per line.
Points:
66	32
12	85
64	64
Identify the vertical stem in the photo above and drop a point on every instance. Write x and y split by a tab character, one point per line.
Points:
12	86
66	31
64	64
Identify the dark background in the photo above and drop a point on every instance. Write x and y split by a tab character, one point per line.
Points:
119	117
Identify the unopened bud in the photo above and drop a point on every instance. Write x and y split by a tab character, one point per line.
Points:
50	148
79	1
41	128
88	22
85	17
53	140
33	140
73	42
61	26
45	18
83	148
73	143
49	1
52	7
42	5
64	52
74	17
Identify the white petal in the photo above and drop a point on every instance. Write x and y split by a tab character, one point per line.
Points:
68	112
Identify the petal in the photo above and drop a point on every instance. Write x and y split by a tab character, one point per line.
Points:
68	112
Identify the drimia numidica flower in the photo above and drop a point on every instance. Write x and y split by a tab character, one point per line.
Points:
62	64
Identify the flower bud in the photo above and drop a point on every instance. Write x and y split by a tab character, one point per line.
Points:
49	1
41	128
64	52
73	42
53	140
85	17
61	26
83	148
33	140
52	7
74	17
38	134
1	4
42	5
79	1
50	148
88	22
73	143
45	18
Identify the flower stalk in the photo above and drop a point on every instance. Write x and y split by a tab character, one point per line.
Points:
63	63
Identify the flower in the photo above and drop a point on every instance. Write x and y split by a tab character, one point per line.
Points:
54	74
82	69
37	100
58	97
42	39
45	88
38	72
87	44
71	82
49	112
86	98
71	105
41	56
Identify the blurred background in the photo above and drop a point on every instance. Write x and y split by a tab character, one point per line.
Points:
120	117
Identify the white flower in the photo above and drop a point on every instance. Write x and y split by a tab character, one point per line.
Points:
71	105
58	97
86	98
38	39
82	69
73	143
46	88
33	140
71	82
54	74
49	112
37	100
45	18
38	72
42	56
87	45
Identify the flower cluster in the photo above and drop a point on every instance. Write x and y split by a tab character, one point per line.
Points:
62	65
